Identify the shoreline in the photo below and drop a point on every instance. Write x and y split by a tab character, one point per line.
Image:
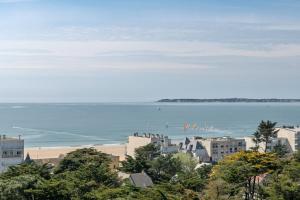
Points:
55	152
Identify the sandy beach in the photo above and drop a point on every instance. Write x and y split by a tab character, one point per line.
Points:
55	152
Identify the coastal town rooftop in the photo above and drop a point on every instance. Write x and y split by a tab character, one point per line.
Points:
148	135
224	138
4	137
291	128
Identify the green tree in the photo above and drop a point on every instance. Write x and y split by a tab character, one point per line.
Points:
142	161
188	163
78	174
257	139
164	191
218	189
265	132
240	170
163	168
148	152
280	150
32	168
76	159
16	187
191	178
15	182
197	179
53	189
83	171
131	165
285	184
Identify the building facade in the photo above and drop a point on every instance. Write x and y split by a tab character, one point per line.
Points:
250	144
195	148
11	151
135	141
212	149
292	134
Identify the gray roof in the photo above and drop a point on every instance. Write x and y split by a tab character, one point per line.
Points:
140	180
187	141
192	145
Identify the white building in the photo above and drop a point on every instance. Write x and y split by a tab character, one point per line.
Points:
212	149
135	141
292	134
11	151
250	144
195	148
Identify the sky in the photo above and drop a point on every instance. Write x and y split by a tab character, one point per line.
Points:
133	50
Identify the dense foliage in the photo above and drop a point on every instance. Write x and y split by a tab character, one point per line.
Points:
265	132
85	174
79	173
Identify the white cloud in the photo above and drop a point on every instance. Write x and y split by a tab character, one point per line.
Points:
125	54
13	1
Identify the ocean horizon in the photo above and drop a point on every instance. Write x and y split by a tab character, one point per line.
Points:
84	124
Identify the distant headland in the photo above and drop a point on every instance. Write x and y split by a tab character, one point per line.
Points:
229	100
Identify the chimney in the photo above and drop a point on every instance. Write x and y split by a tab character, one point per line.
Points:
19	137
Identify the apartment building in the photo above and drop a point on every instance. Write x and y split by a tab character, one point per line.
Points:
212	149
195	148
11	151
136	140
250	144
292	134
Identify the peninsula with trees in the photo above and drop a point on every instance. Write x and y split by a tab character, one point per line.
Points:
229	100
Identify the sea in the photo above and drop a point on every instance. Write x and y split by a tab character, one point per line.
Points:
77	124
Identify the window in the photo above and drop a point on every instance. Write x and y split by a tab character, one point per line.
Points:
215	145
4	154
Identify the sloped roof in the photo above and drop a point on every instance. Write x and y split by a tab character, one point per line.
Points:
28	160
140	180
192	145
187	141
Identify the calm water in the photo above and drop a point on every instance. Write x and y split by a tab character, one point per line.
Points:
82	124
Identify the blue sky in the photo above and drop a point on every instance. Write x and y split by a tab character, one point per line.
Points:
133	50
